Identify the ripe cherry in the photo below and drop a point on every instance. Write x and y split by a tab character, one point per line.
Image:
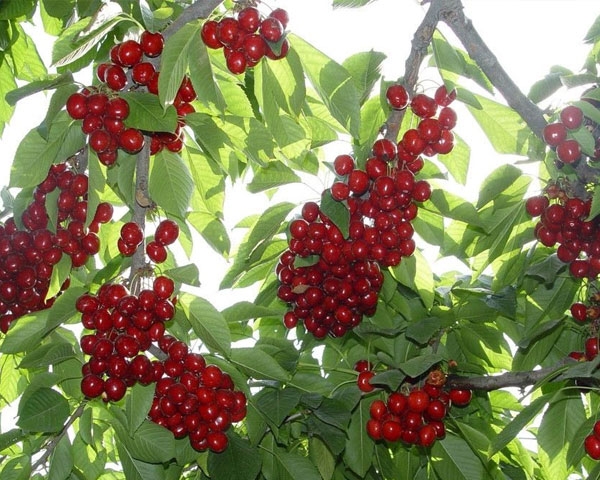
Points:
423	105
132	233
131	140
418	401
236	62
271	29
579	311
209	35
152	43
129	53
572	117
343	164
281	15
364	381
444	98
166	232
77	106
397	97
460	397
156	252
554	134
536	205
568	151
249	19
592	446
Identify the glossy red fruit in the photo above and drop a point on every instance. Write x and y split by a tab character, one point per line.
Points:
579	311
384	149
163	287
591	348
374	429
536	205
460	397
209	34
592	446
363	366
228	31
572	117
427	435
421	191
77	106
281	15
156	252
217	441
115	78
444	98
99	140
132	233
131	140
142	73
271	29
423	105
254	47
447	118
129	53
418	401
92	386
236	62
568	151
554	134
167	232
397	97
249	19
343	164
358	181
364	381
152	43
391	431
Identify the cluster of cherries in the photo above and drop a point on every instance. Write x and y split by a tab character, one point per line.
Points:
103	112
415	417
583	313
564	221
28	254
248	37
195	399
132	236
557	135
332	295
123	327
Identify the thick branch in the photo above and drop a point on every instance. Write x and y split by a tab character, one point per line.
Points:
487	61
199	9
515	379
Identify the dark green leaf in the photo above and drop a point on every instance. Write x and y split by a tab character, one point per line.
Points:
136	469
276	404
240	461
61	462
207	322
336	211
137	405
241	311
170	183
418	365
358	454
452	457
45	410
202	78
257	364
147	113
365	68
496	183
10	10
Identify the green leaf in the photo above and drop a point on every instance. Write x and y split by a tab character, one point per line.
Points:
48	354
496	183
170	184
45	410
10	10
446	57
452	458
151	443
458	160
202	77
284	465
422	330
7	84
283	82
61	462
321	456
137	405
147	113
274	175
187	274
420	364
365	68
351	3
333	412
276	404
174	60
26	333
255	363
207	322
137	470
593	34
415	272
240	461
503	126
547	86
557	430
244	310
27	63
212	230
332	82
336	211
453	206
358	453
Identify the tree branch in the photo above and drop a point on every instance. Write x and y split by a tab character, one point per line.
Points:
198	9
487	61
54	441
516	379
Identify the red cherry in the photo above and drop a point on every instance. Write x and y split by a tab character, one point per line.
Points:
132	233
579	311
115	78
362	366
166	232
156	252
117	108
129	53
151	43
447	118
254	47
444	98
209	34
77	106
92	386
460	397
142	73
236	62
418	401
568	151
99	140
271	29
572	117
343	164
131	140
427	435
281	15
163	287
554	134
249	19
217	441
358	181
227	31
536	205
364	381
592	446
391	430
591	348
423	106
397	97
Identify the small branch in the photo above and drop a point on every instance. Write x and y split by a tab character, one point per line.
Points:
51	445
477	49
515	379
141	204
199	9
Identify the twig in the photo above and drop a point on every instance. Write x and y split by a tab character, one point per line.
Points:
51	445
199	9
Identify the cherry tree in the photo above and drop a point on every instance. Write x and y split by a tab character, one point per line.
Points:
354	357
